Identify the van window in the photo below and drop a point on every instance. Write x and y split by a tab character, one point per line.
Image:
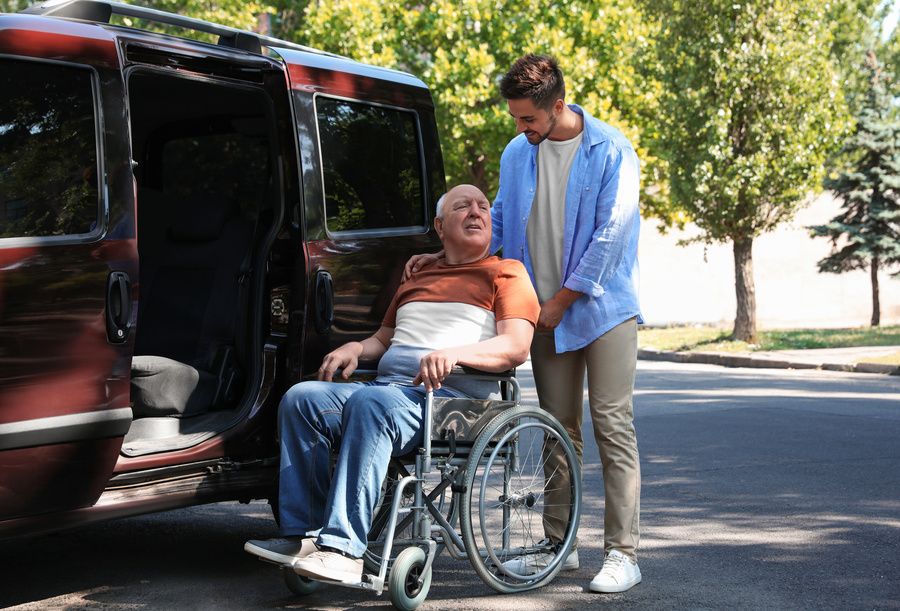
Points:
48	150
371	165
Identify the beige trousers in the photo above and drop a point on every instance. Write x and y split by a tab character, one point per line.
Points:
610	362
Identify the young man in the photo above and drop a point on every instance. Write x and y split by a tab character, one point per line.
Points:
567	207
468	309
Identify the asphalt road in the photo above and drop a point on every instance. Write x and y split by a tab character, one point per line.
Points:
762	489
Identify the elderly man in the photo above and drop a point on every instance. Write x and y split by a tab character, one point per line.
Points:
467	309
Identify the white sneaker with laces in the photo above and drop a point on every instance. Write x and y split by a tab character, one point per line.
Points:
619	573
282	551
330	566
534	563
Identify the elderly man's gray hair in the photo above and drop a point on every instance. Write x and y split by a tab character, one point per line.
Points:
439	209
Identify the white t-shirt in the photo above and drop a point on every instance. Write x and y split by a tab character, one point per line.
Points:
547	221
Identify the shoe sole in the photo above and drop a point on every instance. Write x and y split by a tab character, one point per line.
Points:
335	577
614	590
533	570
269	556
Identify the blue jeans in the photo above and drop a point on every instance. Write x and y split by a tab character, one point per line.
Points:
375	421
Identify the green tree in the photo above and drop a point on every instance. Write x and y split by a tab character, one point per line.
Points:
866	233
749	112
461	48
13	6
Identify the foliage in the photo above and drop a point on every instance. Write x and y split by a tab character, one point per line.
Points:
13	6
866	233
869	223
461	49
233	13
750	108
855	28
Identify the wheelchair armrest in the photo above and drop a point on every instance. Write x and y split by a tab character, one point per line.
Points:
499	376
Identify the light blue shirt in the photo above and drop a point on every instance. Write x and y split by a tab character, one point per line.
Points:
601	229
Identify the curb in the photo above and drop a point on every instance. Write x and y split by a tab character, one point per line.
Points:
741	360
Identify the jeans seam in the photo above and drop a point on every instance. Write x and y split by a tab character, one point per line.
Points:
361	484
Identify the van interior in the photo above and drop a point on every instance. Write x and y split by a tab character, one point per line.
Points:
207	200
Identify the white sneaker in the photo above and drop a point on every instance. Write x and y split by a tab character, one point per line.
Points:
619	573
534	563
281	551
330	566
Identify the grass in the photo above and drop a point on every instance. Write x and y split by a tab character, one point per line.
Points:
699	338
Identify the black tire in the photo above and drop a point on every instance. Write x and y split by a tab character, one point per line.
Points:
501	513
300	586
403	587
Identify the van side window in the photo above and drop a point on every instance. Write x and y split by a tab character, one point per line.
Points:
372	166
48	150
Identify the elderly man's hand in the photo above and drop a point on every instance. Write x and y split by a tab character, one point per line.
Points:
346	358
434	367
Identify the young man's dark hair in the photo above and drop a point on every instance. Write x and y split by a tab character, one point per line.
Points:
536	77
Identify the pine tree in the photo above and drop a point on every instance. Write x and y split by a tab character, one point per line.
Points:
866	233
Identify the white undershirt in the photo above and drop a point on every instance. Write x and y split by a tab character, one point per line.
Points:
547	220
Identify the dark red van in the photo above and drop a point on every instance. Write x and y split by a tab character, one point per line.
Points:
185	229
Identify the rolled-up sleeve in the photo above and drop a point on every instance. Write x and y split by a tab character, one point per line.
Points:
616	211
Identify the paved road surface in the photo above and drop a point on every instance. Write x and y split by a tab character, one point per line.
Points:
762	489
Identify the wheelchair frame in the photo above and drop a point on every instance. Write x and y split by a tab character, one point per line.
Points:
408	577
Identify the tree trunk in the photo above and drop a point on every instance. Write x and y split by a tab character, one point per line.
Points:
876	304
745	290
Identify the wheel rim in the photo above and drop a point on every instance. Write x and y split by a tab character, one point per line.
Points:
528	434
520	500
412	582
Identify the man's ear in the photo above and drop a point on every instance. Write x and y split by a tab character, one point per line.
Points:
439	226
559	105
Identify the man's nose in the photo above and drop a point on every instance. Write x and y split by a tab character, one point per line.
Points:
520	126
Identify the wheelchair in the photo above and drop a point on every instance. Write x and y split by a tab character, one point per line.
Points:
477	488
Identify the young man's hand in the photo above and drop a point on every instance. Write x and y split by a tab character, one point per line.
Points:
553	309
417	262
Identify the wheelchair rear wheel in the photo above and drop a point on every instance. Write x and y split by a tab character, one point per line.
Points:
512	492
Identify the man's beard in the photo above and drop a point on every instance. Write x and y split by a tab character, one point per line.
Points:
542	137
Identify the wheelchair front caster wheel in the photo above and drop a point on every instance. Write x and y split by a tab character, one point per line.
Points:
301	586
403	585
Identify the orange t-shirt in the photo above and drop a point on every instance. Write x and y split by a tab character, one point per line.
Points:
443	306
501	286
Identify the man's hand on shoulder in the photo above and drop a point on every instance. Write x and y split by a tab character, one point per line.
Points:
346	358
417	262
435	367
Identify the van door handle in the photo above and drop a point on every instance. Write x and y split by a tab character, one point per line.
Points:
324	302
118	307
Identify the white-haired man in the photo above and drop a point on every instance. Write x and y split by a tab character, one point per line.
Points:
468	309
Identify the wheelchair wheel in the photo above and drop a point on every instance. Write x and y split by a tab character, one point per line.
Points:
373	554
301	586
509	483
403	583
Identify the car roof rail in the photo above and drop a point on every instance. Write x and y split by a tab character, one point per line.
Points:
101	11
